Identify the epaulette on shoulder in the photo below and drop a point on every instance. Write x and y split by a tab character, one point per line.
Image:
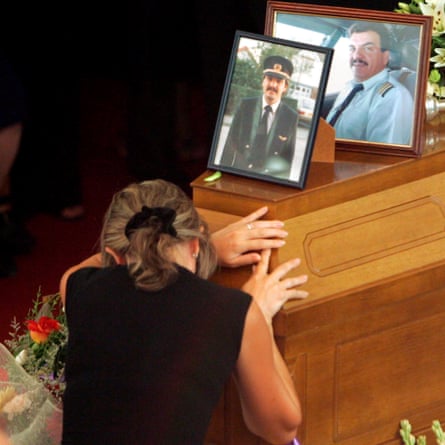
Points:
385	88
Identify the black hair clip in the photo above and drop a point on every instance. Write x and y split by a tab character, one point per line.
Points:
149	216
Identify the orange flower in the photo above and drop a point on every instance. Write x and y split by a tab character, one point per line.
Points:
41	329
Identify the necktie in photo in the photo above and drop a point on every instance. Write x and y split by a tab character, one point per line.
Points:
345	103
263	127
261	135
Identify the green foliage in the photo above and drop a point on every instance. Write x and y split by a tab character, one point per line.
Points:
440	435
409	439
436	76
246	73
46	360
409	8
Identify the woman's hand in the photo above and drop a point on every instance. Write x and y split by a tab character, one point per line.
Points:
239	243
271	290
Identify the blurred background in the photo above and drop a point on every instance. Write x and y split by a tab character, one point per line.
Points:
112	92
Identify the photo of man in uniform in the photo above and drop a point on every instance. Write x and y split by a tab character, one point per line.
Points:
262	135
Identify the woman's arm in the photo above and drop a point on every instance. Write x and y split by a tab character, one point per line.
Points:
270	404
92	261
236	245
95	260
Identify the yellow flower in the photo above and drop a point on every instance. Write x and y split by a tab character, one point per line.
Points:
6	395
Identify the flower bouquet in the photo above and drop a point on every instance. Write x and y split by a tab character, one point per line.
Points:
436	9
32	375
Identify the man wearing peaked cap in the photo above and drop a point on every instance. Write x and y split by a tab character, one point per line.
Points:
263	132
279	67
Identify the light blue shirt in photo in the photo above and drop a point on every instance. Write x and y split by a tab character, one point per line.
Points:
382	112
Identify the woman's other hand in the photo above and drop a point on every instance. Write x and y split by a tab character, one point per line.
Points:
272	290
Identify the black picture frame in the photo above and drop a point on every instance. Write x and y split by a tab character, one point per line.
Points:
409	59
288	152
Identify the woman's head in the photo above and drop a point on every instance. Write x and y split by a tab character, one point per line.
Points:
144	224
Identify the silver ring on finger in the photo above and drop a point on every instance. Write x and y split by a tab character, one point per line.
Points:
249	226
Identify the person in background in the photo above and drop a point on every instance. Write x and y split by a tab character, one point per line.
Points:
47	58
373	107
152	341
14	238
264	129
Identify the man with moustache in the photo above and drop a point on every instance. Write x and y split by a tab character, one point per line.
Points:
263	132
379	108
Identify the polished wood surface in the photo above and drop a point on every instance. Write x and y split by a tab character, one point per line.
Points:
366	348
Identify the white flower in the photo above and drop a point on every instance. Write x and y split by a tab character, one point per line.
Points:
22	357
17	405
439	59
433	89
435	8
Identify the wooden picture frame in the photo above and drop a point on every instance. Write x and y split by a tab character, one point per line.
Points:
408	64
261	65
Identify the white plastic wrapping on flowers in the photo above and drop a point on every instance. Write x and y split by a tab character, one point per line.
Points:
29	414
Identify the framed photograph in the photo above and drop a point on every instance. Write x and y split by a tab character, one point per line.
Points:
270	108
384	55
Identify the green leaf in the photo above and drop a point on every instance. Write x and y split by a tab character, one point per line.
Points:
405	433
434	76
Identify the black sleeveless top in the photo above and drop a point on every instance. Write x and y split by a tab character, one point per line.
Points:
147	367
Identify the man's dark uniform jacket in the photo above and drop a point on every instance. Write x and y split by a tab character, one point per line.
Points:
239	150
